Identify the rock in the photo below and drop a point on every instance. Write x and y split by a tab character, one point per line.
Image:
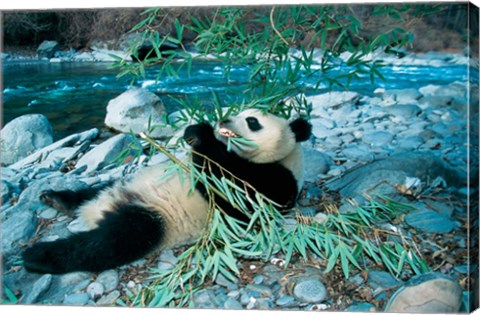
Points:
109	280
404	111
19	227
167	260
8	190
430	221
435	101
232	304
358	153
409	143
402	96
39	287
224	282
262	290
310	291
106	153
382	279
109	299
80	140
427	293
361	307
371	178
285	301
320	131
377	138
331	99
24	135
134	109
455	90
95	290
77	299
48	48
315	163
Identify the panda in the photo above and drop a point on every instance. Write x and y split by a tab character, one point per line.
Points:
128	220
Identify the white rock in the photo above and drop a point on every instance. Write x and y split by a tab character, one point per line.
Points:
332	99
132	111
24	135
105	153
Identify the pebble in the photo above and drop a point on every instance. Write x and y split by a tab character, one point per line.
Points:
310	291
430	221
167	260
109	299
48	214
378	138
76	299
39	287
285	300
232	304
95	290
109	280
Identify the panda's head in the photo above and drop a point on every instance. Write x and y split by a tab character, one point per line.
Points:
274	137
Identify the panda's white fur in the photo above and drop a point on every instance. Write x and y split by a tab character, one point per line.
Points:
185	213
183	210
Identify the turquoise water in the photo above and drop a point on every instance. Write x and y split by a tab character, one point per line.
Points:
74	96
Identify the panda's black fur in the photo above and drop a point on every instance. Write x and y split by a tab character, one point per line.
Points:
129	220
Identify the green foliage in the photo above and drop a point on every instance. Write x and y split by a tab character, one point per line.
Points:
264	43
277	81
9	298
350	240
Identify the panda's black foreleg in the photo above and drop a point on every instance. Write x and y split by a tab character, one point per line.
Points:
66	201
123	236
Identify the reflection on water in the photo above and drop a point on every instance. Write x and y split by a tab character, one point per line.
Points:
74	96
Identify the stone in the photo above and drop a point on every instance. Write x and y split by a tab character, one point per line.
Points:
232	304
361	307
409	143
167	260
377	138
402	96
106	153
435	101
382	279
332	99
39	287
48	48
76	299
372	178
109	299
404	111
430	221
310	291
357	153
134	109
224	282
80	139
24	135
285	301
315	163
95	290
427	293
109	280
18	227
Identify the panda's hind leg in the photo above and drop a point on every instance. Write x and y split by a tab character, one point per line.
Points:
122	236
66	201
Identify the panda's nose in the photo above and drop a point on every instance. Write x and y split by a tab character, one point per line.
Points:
225	121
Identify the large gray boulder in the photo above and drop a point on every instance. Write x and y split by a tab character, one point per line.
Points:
380	177
106	153
47	49
24	135
134	109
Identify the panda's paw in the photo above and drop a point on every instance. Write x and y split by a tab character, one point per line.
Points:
198	135
55	200
42	258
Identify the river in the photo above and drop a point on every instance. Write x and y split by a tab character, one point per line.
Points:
74	95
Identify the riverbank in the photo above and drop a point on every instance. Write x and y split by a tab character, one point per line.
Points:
102	54
420	134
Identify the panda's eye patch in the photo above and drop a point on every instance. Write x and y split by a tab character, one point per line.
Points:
253	124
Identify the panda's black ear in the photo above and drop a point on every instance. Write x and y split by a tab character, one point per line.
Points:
302	129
